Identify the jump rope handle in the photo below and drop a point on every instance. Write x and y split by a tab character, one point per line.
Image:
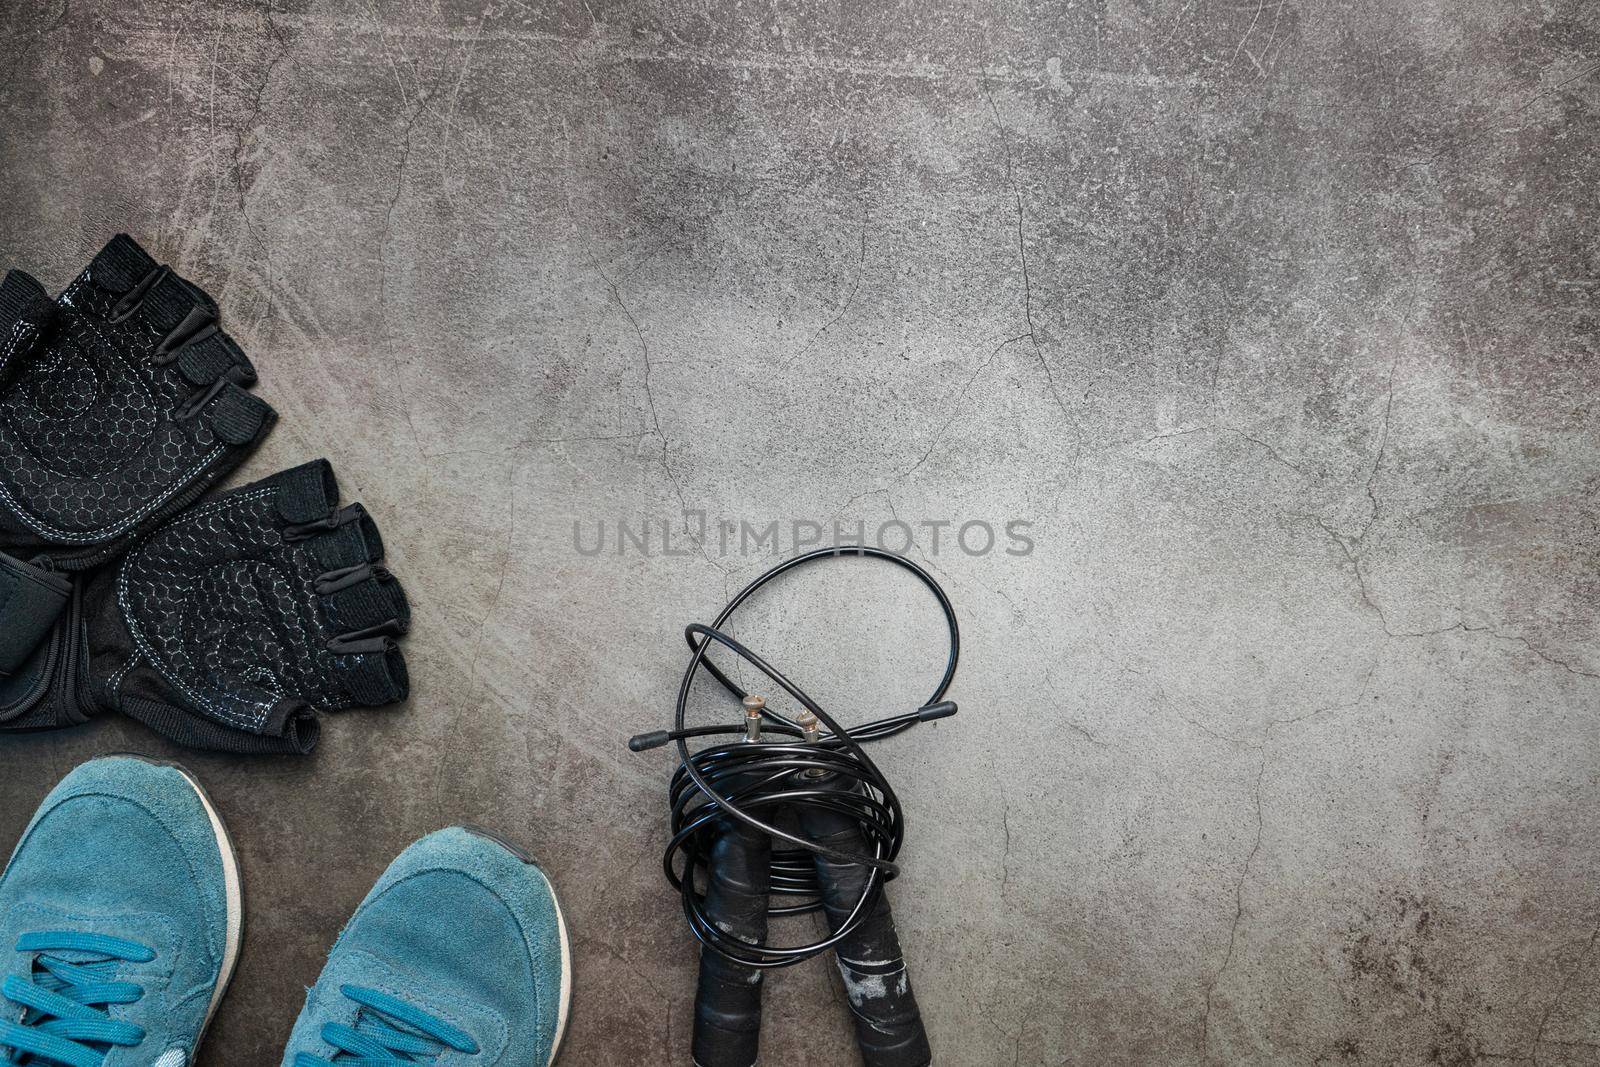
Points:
727	1010
889	1026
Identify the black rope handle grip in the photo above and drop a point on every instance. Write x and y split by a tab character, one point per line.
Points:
888	1023
727	1007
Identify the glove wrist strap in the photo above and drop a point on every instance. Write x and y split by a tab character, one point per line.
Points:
31	600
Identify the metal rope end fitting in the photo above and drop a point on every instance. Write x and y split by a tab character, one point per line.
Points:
810	727
753	706
811	733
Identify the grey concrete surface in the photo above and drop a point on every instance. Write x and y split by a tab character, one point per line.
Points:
1277	320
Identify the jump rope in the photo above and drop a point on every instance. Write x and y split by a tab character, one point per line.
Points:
808	823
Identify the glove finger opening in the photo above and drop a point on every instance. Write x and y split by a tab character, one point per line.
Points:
295	723
376	678
23	299
368	665
361	596
120	265
26	312
305	494
234	415
205	358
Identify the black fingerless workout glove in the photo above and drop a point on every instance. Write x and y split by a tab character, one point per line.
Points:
232	625
121	402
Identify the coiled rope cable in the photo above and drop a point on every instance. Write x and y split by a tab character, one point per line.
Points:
822	773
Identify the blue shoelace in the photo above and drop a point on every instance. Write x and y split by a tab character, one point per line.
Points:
63	1019
388	1031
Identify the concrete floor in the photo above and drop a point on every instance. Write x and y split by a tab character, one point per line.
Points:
1278	321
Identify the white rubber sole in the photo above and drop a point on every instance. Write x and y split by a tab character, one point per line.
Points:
566	974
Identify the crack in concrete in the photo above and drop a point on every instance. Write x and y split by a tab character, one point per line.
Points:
33	42
957	408
1050	684
649	391
1272	453
1049	679
1221	428
1016	1045
1005	858
1355	702
1215	734
655	417
399	188
244	130
1485	125
861	260
1555	1002
1383	444
383	266
1466	627
1238	918
1179	433
1365	592
1022	257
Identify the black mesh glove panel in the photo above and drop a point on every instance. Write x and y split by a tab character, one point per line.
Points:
120	403
232	625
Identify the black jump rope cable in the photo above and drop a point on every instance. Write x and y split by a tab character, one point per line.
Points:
846	829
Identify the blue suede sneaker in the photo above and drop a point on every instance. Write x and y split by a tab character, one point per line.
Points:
120	920
458	956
